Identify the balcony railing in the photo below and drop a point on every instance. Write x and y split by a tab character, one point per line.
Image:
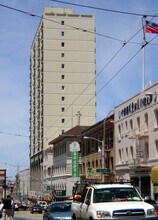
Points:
138	162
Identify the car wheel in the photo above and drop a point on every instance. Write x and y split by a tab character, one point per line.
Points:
73	217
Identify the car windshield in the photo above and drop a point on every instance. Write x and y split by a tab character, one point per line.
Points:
115	195
61	207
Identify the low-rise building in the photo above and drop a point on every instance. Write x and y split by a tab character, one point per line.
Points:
97	151
136	138
81	150
22	186
66	161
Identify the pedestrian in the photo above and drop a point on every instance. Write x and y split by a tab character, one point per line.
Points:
12	208
1	207
7	208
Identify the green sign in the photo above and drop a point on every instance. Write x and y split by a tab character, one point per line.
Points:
74	163
48	187
106	170
60	192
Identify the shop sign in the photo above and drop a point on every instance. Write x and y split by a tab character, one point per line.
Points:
92	173
137	105
2	177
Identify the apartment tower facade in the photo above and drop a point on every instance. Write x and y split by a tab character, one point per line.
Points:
62	84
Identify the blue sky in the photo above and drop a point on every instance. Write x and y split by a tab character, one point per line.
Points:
16	35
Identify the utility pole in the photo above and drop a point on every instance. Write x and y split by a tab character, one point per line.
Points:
103	159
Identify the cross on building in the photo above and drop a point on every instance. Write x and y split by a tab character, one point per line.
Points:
78	114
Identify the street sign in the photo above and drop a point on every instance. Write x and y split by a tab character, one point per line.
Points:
105	170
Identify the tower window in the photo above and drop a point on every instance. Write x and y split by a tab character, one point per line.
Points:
62	44
63	109
62	66
62	22
62	54
62	33
62	98
62	76
63	120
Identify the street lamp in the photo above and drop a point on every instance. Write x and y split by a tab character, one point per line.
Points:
102	152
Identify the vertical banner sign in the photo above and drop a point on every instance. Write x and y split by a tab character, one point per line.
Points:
74	148
74	164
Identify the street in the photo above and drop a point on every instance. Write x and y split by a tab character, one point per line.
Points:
26	215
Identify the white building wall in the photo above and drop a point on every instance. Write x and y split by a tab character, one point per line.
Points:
23	185
136	135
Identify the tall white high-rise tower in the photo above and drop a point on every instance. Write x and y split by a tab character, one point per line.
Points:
62	83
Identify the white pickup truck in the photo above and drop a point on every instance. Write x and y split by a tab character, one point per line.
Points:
110	201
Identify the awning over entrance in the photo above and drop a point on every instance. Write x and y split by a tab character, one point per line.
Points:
154	174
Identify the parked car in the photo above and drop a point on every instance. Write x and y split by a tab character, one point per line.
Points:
58	210
43	204
37	208
23	207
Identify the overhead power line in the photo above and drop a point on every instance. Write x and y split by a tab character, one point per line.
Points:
124	43
77	28
12	165
109	81
81	29
18	10
102	9
19	135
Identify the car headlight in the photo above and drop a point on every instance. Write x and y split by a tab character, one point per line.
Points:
151	212
102	214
